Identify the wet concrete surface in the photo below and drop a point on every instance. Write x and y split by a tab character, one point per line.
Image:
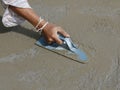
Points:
92	24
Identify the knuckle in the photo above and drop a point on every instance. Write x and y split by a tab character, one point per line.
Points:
53	36
49	39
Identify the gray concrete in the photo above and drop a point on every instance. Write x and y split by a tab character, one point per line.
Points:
93	24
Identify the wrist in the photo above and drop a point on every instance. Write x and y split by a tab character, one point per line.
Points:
49	26
41	24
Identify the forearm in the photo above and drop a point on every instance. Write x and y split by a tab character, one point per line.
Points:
28	14
50	31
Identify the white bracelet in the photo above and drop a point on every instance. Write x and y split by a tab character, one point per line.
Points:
43	26
40	20
41	29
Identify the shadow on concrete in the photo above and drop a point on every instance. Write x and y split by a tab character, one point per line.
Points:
18	29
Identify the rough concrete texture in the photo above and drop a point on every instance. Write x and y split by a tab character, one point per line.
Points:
93	24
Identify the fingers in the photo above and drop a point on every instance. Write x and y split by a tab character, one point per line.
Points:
57	40
50	40
51	34
54	39
61	31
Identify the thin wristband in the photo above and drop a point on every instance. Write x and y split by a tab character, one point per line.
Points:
41	29
43	26
38	23
40	20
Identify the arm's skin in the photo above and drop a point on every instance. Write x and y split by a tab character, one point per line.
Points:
49	32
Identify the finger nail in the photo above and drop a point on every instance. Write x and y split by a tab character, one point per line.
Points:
60	42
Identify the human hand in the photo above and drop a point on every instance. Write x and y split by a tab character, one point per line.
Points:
50	32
